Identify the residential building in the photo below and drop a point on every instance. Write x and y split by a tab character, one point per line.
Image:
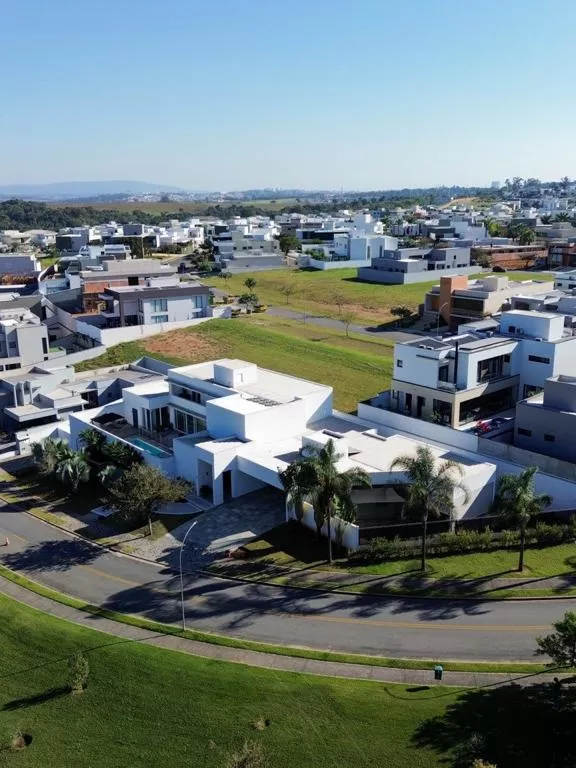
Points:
565	280
458	299
230	428
546	422
152	303
21	264
23	339
416	265
562	254
115	274
465	378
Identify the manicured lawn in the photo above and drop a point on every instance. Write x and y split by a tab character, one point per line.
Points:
295	548
150	707
315	291
288	348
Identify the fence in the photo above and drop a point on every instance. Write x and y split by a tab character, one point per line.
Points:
342	533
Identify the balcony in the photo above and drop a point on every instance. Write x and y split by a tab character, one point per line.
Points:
125	431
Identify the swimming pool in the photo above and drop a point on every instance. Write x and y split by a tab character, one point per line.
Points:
149	447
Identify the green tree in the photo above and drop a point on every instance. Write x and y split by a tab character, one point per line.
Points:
73	470
298	481
205	265
226	276
288	290
517	503
94	443
494	228
327	488
141	490
514	230
250	283
121	455
340	299
402	313
562	217
560	645
347	317
248	300
546	219
289	242
431	489
526	237
50	453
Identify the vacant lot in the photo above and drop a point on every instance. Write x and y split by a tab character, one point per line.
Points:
178	207
150	707
332	292
291	347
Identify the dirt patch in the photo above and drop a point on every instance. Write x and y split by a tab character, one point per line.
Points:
182	344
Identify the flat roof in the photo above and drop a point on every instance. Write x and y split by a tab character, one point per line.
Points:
528	313
493	341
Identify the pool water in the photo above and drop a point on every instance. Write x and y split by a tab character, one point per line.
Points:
149	448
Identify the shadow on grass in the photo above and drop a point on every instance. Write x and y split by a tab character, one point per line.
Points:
39	698
511	726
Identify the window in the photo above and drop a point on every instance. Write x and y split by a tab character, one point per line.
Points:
511	329
44	346
399	363
184	422
524	432
159	305
549	438
531	389
12	344
538	359
159	319
506	358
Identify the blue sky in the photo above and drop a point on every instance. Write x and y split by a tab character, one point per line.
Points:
234	94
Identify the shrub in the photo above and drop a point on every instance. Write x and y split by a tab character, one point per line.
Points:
509	538
547	534
250	756
78	671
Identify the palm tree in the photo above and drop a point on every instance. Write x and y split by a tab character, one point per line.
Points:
562	217
516	502
318	478
50	453
121	454
431	489
93	442
108	474
73	471
298	481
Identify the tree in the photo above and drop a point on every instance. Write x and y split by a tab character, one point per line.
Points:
403	313
347	317
517	503
494	228
204	265
248	300
73	471
50	453
250	283
94	443
526	236
340	300
431	489
562	217
289	242
287	290
560	645
298	482
121	454
141	491
546	219
226	276
319	479
514	230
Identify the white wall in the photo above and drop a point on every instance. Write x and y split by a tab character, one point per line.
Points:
350	531
111	336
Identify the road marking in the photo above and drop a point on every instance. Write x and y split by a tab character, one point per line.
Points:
14	536
415	625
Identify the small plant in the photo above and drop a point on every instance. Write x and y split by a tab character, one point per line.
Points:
19	740
261	724
250	756
482	764
78	672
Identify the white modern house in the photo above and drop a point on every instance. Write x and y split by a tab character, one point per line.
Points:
230	427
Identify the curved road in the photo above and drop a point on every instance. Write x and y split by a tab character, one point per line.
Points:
405	627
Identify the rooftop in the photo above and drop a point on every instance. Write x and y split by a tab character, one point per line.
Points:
527	313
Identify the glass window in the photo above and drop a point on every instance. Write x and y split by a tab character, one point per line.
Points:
159	319
399	363
538	359
549	438
525	432
188	424
159	305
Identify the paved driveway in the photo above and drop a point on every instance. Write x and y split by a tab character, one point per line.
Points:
221	528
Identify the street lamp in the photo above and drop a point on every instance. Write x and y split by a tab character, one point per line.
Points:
182	577
439	313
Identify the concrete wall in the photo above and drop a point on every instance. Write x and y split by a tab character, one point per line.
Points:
540	421
111	336
348	534
328	265
404	278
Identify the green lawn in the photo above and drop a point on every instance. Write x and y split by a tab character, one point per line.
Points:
288	347
315	291
298	549
150	707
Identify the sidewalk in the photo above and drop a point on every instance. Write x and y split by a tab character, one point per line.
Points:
264	660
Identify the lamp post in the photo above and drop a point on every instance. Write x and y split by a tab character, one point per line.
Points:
439	313
182	576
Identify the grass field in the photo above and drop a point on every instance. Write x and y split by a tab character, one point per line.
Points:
150	707
272	205
328	293
355	367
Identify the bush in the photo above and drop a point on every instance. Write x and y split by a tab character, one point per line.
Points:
548	534
78	671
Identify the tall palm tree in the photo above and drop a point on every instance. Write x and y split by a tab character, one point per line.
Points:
431	489
121	454
298	481
562	217
517	502
73	471
317	477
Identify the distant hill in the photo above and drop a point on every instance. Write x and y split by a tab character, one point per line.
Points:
69	190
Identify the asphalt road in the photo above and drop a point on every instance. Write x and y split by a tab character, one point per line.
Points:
381	332
387	626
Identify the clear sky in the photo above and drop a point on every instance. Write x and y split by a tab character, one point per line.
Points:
235	94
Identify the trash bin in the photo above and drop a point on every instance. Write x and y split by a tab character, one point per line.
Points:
438	672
